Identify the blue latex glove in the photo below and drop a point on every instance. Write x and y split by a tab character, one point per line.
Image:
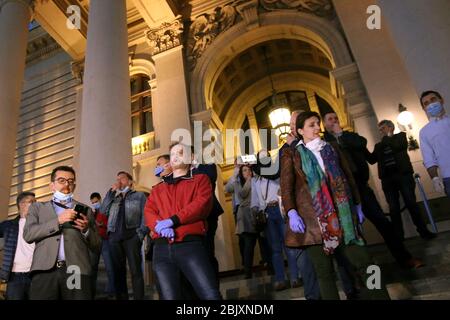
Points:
163	224
296	222
168	233
360	214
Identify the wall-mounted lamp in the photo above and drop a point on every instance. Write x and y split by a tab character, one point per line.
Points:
405	120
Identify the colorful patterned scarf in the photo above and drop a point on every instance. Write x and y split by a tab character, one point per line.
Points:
331	198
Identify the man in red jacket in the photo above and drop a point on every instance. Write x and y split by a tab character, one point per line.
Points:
176	212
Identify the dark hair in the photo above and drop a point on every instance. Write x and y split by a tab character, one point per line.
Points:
23	195
302	117
129	176
182	144
389	123
241	176
95	195
62	168
425	93
164	156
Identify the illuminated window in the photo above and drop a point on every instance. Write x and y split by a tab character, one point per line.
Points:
141	105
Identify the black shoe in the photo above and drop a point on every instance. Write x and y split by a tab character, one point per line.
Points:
297	283
428	235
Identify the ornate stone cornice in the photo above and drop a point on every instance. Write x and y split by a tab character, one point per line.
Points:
77	68
321	8
40	46
167	36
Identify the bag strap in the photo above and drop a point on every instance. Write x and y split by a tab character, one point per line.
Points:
267	189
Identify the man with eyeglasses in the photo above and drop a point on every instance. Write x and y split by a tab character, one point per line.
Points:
18	254
61	266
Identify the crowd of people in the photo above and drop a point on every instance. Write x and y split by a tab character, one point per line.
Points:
307	212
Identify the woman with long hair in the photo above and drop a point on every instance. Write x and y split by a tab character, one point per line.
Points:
319	193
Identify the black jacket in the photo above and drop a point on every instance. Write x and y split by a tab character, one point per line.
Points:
9	230
399	145
211	171
355	149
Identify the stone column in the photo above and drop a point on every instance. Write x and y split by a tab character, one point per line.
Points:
172	109
360	110
14	18
420	30
105	126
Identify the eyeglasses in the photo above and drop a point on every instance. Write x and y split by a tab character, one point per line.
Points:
70	182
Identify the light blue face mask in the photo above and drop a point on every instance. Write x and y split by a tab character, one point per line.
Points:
62	197
96	205
434	109
158	171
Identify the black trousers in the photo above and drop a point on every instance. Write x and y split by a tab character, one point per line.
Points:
404	185
249	241
209	242
121	251
57	284
374	213
18	286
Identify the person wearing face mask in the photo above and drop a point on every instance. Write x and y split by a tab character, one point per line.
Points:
126	229
63	239
434	141
322	202
101	221
396	174
18	254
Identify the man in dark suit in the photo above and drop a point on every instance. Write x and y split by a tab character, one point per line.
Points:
61	266
354	148
396	173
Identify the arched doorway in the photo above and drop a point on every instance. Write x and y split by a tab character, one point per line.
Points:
230	80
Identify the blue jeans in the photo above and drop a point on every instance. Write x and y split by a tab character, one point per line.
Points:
189	258
95	259
447	186
18	287
304	264
106	254
275	231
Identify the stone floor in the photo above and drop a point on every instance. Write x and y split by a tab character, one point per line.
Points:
429	282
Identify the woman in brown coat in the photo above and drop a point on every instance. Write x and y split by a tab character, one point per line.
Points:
319	193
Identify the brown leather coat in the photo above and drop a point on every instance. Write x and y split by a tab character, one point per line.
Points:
295	194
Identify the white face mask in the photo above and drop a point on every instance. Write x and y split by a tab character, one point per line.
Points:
62	197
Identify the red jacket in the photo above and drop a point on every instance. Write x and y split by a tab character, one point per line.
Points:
186	200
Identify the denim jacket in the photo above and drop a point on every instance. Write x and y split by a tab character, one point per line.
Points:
134	211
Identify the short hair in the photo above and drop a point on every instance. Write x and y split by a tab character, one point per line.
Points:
163	156
129	176
302	117
182	144
95	195
388	123
425	93
22	196
62	168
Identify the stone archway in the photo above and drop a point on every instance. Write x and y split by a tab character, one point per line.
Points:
273	25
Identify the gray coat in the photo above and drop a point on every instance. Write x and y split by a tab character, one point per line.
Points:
244	218
42	227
